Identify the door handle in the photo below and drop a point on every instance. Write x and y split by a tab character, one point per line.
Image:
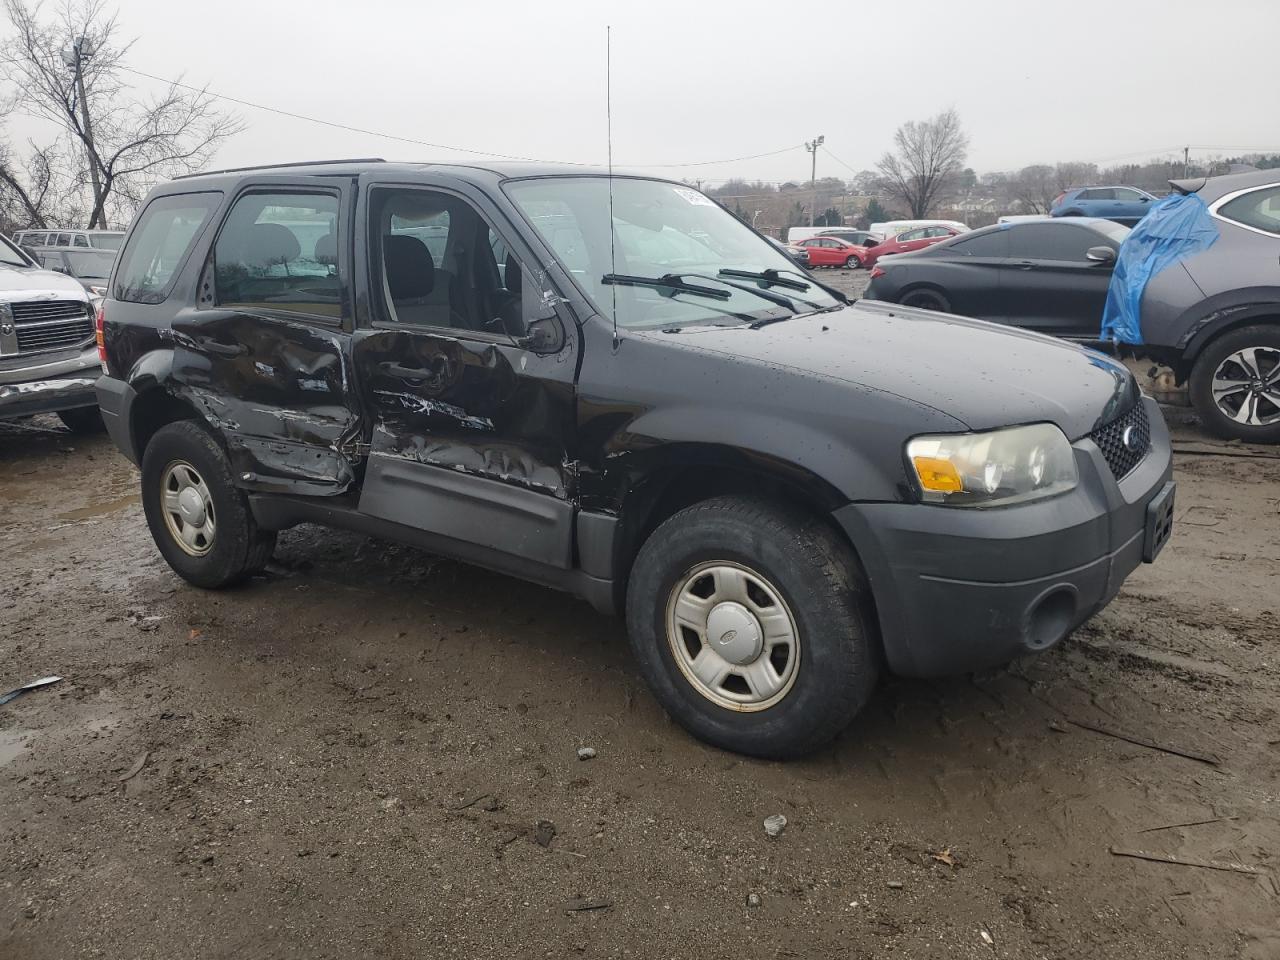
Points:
1024	264
437	371
405	373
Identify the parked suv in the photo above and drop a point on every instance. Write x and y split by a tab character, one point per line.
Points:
1214	317
48	363
1125	205
503	364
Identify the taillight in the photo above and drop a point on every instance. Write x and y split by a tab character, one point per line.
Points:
1057	201
876	271
99	334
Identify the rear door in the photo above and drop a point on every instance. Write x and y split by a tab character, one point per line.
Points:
265	350
1049	285
470	424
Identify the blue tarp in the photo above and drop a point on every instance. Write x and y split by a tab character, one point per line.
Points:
1175	228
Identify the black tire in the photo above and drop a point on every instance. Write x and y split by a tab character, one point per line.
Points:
238	547
1214	419
926	299
819	580
82	420
853	263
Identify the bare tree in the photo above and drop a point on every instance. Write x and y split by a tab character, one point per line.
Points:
929	156
68	69
1033	188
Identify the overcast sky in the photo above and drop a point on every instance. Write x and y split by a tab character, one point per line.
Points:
700	81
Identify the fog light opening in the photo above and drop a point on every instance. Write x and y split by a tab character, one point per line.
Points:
1051	618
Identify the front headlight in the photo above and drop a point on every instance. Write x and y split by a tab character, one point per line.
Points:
995	468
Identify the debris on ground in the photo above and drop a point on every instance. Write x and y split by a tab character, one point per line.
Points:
775	824
987	938
894	884
1228	866
1144	742
586	753
27	688
945	856
753	900
581	904
134	770
544	832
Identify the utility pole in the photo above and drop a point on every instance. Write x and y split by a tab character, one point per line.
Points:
812	146
81	50
1186	162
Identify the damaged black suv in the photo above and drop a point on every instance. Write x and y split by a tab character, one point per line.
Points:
612	386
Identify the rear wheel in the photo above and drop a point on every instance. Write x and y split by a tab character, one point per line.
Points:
750	623
926	299
199	520
82	420
1235	385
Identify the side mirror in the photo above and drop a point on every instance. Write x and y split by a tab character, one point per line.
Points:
1101	254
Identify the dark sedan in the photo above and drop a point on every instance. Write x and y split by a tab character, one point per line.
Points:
1045	275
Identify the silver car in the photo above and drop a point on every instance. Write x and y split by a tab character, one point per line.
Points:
1215	316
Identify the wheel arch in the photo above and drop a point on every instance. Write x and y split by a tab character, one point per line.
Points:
1222	321
677	476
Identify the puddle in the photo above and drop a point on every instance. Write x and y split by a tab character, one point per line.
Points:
12	744
99	509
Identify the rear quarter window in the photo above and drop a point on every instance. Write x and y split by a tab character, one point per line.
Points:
160	244
1259	209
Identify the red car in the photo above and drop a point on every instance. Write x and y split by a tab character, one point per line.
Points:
916	239
831	252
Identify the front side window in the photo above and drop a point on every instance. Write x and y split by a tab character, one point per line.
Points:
440	264
160	243
659	230
79	240
278	251
1259	209
1127	195
1050	241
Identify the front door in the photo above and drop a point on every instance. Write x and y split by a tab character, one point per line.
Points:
1048	284
466	371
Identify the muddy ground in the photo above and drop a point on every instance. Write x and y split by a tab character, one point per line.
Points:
349	757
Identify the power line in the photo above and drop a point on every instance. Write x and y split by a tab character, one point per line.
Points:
427	143
839	161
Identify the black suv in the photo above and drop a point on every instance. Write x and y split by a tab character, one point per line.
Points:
614	387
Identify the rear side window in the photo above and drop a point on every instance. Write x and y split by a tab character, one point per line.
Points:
1050	241
159	245
79	240
279	251
1259	209
994	244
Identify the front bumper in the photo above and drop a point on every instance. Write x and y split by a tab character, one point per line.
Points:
964	589
48	386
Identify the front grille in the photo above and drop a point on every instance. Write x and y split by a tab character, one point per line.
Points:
51	324
1122	457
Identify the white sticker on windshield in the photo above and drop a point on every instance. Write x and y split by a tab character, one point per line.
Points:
694	197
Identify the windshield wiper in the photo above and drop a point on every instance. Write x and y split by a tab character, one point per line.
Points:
669	281
769	276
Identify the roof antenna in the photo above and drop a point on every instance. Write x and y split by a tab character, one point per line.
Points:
608	113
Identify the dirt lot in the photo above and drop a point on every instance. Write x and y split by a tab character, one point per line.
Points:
350	756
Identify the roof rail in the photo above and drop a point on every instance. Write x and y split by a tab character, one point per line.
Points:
280	166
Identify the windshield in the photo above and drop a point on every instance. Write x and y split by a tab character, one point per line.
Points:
11	256
659	229
91	264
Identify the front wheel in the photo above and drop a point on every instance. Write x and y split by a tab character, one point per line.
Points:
853	263
198	518
750	623
1235	385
